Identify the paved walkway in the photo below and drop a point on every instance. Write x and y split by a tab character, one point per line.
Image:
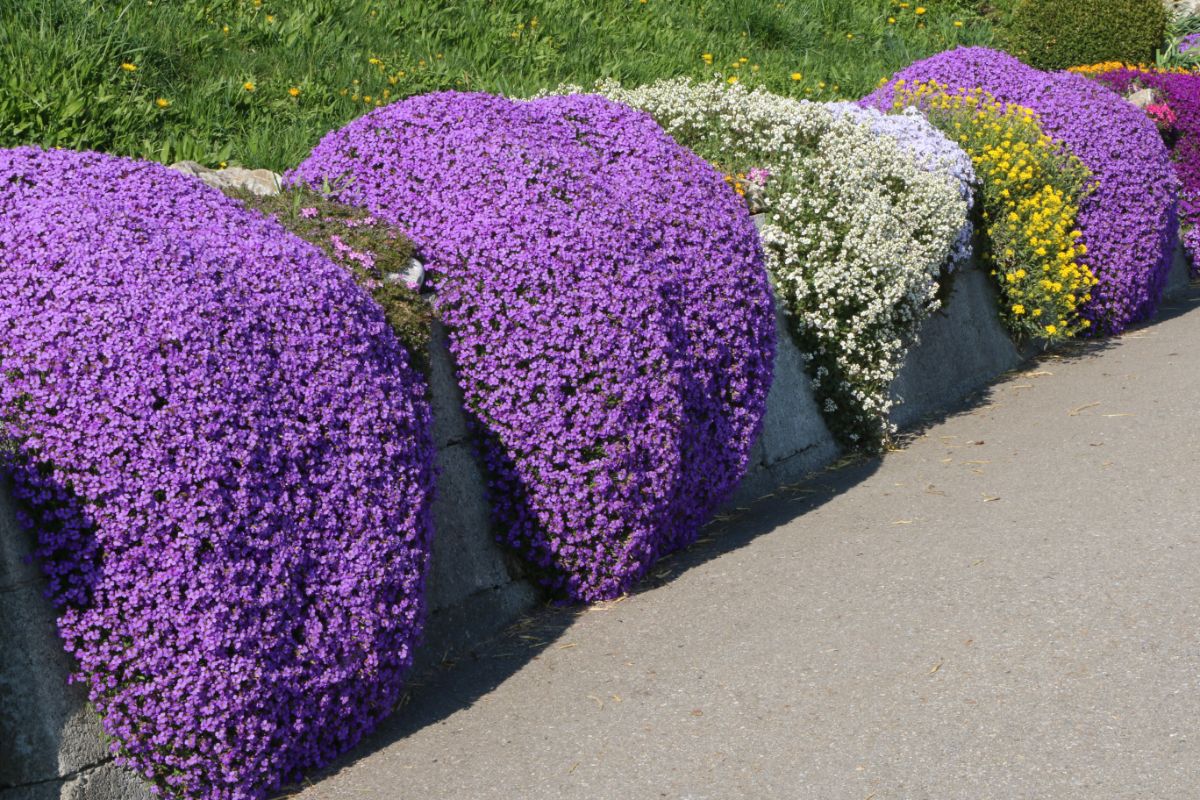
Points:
1006	608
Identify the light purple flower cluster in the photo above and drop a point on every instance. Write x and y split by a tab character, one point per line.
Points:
1129	222
227	461
611	316
931	151
1181	92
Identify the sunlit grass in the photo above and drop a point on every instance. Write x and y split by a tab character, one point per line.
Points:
259	83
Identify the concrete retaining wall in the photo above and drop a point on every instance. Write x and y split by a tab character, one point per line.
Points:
51	747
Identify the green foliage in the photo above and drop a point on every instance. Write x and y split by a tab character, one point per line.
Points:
63	83
1056	34
317	219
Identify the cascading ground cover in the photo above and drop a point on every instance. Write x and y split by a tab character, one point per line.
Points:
858	227
227	460
1180	93
1129	222
610	315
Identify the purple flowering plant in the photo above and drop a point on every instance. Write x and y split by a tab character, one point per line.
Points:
1179	93
1129	222
226	457
610	314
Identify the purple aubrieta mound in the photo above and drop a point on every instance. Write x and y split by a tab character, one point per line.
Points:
611	317
226	458
1129	222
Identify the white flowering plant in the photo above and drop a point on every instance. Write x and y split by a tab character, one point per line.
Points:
857	230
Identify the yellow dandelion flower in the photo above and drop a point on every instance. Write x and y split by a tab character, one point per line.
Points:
128	67
248	86
162	102
796	76
294	91
919	10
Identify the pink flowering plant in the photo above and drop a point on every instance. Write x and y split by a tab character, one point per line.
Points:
610	314
227	461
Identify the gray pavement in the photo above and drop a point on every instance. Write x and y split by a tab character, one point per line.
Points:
1004	608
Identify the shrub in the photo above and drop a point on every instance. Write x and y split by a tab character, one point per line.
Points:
856	234
227	460
609	312
1056	34
1180	92
1030	187
1128	222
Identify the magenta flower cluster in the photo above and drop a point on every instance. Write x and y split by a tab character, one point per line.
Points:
611	316
227	459
1129	223
1180	92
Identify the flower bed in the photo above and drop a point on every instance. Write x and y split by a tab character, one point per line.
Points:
857	233
1128	223
226	457
1030	188
610	316
1178	115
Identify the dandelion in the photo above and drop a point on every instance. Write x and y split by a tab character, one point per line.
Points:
294	91
162	102
919	10
732	79
891	21
270	19
707	58
225	29
248	86
958	23
129	67
796	76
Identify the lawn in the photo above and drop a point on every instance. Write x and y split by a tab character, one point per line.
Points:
258	83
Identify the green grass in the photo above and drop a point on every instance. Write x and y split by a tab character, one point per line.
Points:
65	85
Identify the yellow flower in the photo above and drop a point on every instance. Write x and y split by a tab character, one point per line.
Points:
129	67
294	91
1051	329
707	58
958	23
919	10
732	79
796	76
162	102
270	19
248	86
225	29
849	35
891	21
1018	309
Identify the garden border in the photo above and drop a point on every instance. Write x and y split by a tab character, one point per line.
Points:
51	746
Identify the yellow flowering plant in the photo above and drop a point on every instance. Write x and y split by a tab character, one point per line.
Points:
1030	190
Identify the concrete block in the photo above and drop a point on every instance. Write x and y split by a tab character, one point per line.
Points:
794	440
962	348
47	728
1180	276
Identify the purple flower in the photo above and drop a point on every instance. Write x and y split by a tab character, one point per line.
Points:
1129	222
611	317
227	460
1181	94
